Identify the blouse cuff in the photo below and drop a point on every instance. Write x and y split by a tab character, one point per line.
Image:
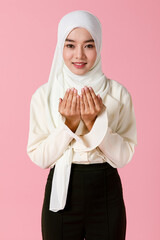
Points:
68	130
92	139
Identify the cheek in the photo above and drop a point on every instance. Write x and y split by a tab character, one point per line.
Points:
67	55
93	56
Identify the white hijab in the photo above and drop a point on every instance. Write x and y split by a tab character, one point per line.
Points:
60	79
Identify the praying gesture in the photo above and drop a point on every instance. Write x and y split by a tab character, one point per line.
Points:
73	107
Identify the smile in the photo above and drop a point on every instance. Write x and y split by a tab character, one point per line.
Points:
79	64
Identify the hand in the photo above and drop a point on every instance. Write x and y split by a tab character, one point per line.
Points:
90	106
69	107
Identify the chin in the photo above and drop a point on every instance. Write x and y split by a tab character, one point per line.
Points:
78	72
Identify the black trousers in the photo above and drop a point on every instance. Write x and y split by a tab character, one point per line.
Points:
94	209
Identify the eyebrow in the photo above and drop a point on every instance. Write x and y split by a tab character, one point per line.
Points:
70	40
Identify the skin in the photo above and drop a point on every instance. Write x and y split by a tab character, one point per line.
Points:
88	105
79	50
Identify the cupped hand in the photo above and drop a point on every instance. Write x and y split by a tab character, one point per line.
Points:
69	107
90	106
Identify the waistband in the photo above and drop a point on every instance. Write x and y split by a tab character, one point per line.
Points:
90	167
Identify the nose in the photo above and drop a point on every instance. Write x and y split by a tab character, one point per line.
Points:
79	52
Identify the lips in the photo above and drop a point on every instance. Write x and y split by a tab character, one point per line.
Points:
79	64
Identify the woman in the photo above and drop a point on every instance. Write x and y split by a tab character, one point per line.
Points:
82	127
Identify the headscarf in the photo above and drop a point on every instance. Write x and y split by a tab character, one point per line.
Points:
60	79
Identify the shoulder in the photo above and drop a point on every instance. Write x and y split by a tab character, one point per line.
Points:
119	91
39	95
40	91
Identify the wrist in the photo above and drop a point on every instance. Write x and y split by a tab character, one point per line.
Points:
72	125
89	124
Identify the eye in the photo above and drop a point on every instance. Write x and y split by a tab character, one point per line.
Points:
89	46
70	46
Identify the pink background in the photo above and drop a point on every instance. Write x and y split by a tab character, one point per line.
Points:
130	55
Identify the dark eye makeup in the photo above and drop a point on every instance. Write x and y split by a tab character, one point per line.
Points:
72	46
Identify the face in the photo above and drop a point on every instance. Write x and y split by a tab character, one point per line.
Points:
79	52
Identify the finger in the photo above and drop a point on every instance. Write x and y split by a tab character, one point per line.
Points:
94	97
65	98
78	104
85	101
89	98
69	99
101	103
74	100
97	100
60	102
82	106
100	100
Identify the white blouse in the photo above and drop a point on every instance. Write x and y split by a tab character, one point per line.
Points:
112	139
117	147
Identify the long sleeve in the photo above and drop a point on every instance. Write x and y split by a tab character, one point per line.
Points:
119	146
116	147
45	147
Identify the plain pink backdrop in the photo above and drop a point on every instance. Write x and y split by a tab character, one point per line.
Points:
130	55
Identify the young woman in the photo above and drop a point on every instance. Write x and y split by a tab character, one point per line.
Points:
82	127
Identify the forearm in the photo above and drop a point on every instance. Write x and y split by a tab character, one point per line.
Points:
116	149
45	150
